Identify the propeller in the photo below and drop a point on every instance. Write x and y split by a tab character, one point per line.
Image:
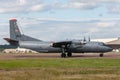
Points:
89	39
84	39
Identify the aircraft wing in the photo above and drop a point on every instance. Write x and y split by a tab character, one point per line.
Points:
62	43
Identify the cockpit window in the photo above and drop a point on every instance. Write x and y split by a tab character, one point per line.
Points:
101	43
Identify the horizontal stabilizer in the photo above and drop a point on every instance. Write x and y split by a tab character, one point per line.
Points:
12	42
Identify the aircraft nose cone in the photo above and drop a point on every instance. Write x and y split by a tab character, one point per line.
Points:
108	49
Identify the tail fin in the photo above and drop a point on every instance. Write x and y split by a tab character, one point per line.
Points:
15	34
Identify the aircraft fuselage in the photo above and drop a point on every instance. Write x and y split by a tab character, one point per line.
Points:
47	47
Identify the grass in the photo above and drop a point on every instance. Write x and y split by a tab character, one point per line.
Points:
59	63
60	69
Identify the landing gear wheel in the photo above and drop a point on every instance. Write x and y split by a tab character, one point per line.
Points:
69	54
101	55
63	55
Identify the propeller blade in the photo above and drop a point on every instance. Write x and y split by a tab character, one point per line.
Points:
84	39
89	39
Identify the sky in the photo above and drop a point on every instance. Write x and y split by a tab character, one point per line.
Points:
52	20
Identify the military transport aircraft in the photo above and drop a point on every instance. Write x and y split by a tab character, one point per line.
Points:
66	48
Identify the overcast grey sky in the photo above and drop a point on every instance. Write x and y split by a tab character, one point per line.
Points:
62	19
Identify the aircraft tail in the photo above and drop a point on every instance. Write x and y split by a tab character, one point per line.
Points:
15	34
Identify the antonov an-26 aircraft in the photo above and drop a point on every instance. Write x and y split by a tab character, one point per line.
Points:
66	48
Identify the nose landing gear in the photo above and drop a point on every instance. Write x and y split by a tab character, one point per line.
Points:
101	55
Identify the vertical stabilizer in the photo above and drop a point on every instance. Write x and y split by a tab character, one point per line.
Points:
15	33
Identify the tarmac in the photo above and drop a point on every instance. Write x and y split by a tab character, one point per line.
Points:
56	55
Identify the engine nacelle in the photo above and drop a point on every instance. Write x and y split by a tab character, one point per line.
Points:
79	42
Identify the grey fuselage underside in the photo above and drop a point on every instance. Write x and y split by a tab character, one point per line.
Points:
46	47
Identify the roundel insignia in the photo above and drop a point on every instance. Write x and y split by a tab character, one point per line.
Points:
16	30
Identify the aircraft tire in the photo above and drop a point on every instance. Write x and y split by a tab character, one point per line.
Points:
69	54
101	55
63	55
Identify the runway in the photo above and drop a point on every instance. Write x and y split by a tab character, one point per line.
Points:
57	55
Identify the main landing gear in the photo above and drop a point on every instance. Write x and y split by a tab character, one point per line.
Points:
63	54
69	54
